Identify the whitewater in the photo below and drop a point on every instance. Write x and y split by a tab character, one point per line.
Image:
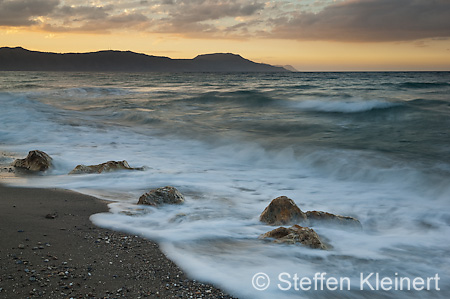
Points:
375	146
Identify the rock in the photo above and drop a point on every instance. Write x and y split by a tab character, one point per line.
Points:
51	216
104	167
295	234
178	218
319	217
282	210
35	161
163	195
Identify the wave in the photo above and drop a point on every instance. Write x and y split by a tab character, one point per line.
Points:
136	117
427	102
244	97
343	106
27	86
90	92
424	85
303	86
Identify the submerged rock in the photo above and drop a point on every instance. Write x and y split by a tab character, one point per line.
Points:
295	234
319	217
35	161
163	195
282	210
104	167
178	218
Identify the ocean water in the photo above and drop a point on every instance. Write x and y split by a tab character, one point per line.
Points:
375	146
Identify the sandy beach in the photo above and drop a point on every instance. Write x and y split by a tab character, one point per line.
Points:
50	249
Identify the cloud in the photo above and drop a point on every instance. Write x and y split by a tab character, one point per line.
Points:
51	16
368	21
202	17
24	13
81	13
106	24
322	20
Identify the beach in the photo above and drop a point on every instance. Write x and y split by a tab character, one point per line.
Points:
50	249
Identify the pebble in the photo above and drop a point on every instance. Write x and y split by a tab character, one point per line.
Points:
61	280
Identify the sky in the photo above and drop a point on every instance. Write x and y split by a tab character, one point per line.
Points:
311	35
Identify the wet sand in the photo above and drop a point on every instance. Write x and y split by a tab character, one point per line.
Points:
50	249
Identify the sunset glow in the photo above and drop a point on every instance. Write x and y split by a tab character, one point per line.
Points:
310	34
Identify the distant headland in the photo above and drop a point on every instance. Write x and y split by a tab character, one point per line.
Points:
20	59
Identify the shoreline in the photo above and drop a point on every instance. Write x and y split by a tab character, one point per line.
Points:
50	249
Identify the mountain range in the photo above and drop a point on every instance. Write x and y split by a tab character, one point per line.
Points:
20	59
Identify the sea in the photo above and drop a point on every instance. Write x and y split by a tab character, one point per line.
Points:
370	145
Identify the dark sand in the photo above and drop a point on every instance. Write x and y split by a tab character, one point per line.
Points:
50	249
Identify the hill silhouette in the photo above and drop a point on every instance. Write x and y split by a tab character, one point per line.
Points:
20	59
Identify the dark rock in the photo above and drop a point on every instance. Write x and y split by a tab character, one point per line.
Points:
319	217
35	161
295	234
51	216
163	195
282	210
104	167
